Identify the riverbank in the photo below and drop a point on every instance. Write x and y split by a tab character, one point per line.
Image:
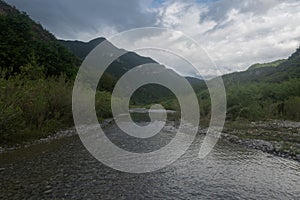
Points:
277	137
56	136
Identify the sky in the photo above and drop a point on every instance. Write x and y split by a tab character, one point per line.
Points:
234	33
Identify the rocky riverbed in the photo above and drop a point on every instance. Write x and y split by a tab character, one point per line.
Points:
56	136
281	138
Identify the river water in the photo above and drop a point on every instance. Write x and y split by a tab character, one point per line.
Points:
64	169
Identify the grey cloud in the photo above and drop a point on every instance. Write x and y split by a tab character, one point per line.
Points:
69	18
218	10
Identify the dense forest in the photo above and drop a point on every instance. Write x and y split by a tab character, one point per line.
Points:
37	73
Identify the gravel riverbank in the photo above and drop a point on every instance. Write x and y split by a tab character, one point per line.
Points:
280	138
56	136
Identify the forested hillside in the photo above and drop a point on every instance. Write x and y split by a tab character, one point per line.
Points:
271	90
264	91
81	49
23	40
276	71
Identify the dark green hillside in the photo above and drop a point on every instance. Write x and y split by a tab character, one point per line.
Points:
118	67
196	83
289	69
23	40
81	49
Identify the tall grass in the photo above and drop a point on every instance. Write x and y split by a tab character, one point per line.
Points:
34	106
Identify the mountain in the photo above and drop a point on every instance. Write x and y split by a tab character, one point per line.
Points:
150	93
197	83
24	41
120	66
287	70
276	71
82	49
268	91
267	65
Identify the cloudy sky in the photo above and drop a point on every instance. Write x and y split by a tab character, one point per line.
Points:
234	33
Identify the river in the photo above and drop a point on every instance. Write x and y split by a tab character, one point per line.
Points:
64	169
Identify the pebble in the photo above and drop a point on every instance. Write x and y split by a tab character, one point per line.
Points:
47	191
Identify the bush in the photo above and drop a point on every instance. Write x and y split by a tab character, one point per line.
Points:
292	108
11	121
103	105
32	105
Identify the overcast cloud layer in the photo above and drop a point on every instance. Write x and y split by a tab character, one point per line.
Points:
235	33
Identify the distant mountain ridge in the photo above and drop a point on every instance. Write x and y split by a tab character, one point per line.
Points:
276	71
146	94
264	65
82	49
120	66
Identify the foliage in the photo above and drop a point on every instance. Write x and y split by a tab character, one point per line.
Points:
103	105
258	101
254	101
292	108
22	38
33	105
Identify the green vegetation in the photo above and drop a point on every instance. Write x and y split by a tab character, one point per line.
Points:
265	93
263	65
81	49
270	91
21	38
33	105
36	80
258	101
